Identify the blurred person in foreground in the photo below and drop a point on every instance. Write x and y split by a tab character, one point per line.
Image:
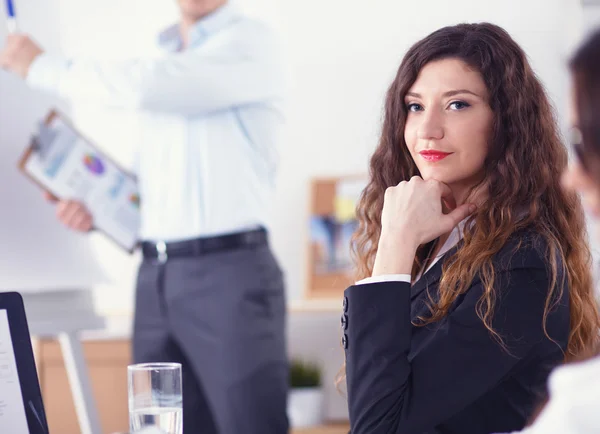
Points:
574	389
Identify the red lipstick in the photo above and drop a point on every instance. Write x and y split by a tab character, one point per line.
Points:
432	155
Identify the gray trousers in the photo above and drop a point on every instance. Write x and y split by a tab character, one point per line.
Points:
222	316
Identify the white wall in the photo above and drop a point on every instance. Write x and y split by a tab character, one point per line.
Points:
591	15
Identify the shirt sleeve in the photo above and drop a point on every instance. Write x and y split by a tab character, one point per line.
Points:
244	71
386	278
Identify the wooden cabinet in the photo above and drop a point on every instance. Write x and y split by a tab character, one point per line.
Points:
331	429
107	362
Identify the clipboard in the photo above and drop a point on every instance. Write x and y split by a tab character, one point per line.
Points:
61	161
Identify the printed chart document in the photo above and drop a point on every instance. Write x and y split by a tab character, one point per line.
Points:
69	166
12	411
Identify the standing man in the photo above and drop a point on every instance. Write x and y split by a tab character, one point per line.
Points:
210	294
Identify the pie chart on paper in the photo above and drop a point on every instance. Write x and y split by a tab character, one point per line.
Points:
93	164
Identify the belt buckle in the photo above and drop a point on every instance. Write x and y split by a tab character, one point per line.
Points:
161	252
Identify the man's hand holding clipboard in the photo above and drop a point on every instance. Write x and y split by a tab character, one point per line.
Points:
72	213
91	191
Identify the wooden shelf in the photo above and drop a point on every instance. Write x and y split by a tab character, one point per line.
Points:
316	305
328	429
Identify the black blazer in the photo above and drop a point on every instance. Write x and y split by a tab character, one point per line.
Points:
452	377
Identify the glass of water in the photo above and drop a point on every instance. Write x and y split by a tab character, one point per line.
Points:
155	399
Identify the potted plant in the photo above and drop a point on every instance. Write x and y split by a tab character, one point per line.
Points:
305	403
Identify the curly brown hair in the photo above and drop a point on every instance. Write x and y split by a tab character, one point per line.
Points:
522	175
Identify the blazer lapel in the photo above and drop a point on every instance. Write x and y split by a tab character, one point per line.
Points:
433	276
430	278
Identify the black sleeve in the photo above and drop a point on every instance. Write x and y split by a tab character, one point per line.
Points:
459	361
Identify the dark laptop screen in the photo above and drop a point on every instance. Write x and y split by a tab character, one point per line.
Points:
21	407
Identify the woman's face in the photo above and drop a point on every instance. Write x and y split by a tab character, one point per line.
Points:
576	178
449	123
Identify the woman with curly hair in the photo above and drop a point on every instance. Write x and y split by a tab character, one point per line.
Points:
474	260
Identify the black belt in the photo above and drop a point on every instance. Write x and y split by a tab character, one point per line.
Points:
202	246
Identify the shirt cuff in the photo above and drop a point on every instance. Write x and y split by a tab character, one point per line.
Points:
386	278
46	72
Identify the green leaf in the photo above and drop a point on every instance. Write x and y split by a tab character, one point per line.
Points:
304	374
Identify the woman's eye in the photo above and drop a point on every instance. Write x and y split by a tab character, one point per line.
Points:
459	105
414	107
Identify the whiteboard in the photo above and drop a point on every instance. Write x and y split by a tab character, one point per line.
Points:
36	252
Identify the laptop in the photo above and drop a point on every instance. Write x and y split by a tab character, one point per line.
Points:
21	406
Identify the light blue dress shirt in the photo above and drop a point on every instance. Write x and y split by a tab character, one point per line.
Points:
209	122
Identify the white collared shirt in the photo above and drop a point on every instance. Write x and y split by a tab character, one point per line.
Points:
209	122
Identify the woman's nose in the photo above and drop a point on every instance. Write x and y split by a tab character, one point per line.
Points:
431	127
